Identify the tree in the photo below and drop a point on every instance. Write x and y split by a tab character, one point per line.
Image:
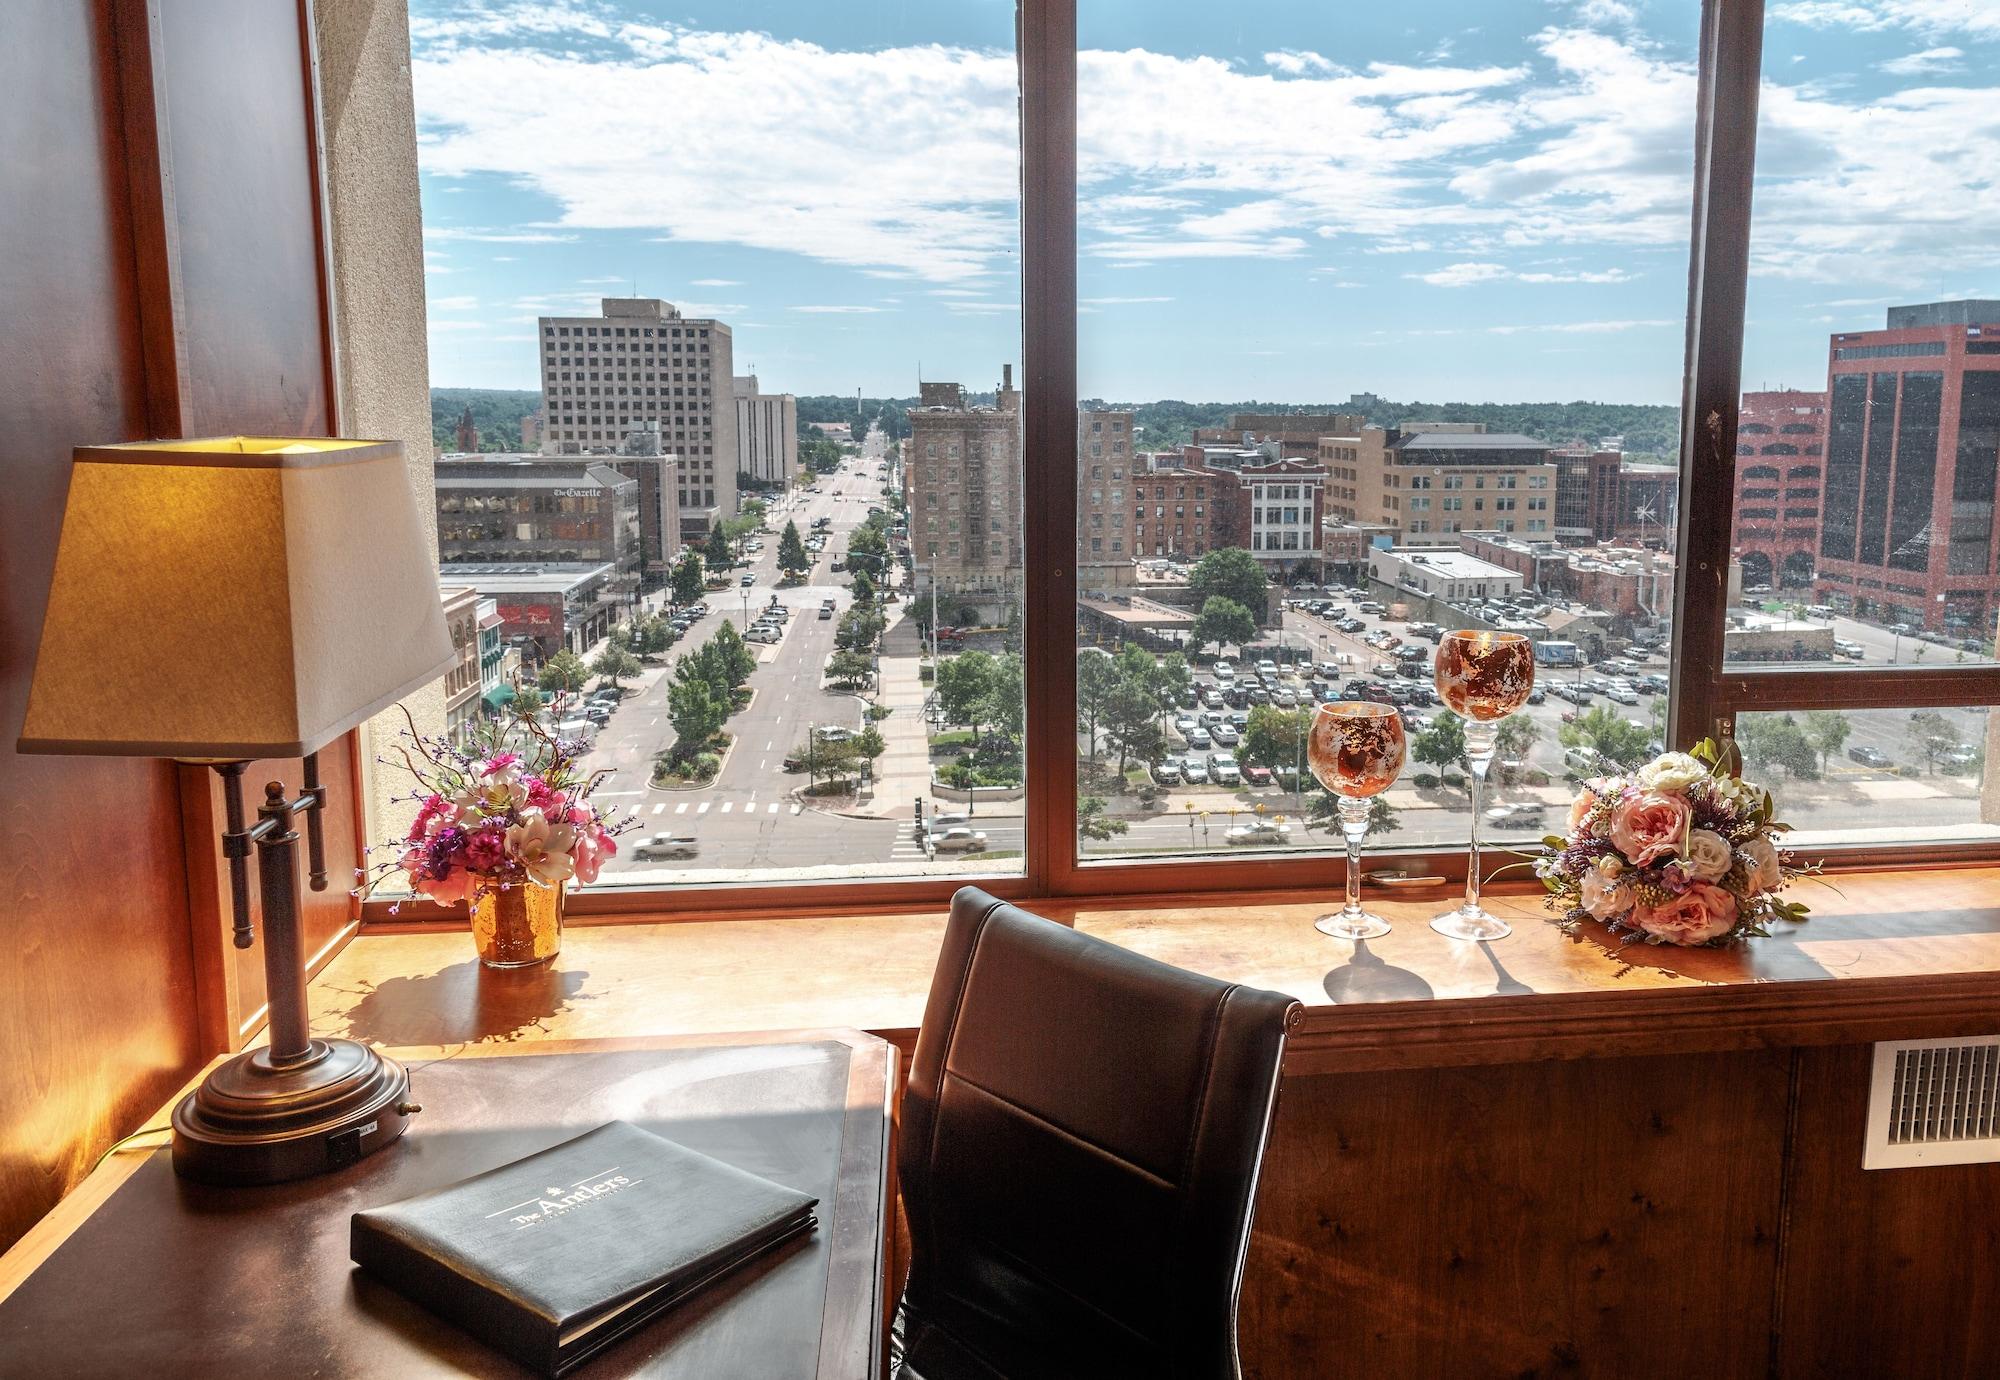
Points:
1324	809
859	627
718	554
687	578
615	664
1006	708
564	673
735	660
1222	620
1171	679
1932	734
1231	573
698	715
1093	823
864	588
1776	740
1096	679
1613	736
793	559
1442	745
870	743
1130	723
1827	730
848	667
962	685
1516	737
1276	737
527	702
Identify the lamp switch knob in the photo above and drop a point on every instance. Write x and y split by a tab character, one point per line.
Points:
409	1108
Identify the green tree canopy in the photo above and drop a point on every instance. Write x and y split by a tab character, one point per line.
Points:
1096	679
792	557
1777	740
1222	620
1933	736
849	667
1006	697
1613	736
1442	745
734	658
1275	737
1828	731
1093	823
564	673
718	553
698	715
615	664
686	584
963	684
1230	573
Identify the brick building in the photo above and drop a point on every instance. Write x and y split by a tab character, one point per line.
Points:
1780	458
1906	531
962	481
1436	482
1296	435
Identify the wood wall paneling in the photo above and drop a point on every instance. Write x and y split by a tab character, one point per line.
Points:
1588	1217
161	274
1898	1266
96	987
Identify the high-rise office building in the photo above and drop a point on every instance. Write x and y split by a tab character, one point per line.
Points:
1430	481
962	477
767	434
643	362
1780	464
1906	532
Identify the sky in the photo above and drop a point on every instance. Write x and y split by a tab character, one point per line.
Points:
1477	200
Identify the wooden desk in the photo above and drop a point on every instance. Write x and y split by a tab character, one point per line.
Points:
142	1272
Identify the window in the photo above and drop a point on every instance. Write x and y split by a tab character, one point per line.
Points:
1295	164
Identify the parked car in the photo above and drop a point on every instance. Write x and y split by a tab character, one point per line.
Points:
1521	812
1329	670
749	579
1257	775
1167	772
1960	757
1224	734
765	633
1224	670
667	846
1259	831
1583	761
1868	756
1195	770
1184	724
598	712
1199	739
1222	769
959	841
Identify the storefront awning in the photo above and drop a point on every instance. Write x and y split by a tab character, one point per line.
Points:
498	696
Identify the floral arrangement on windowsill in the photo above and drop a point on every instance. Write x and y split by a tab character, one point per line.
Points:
504	820
1680	851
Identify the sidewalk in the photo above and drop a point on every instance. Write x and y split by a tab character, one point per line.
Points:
903	772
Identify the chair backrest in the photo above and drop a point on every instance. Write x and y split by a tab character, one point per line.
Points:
1080	1141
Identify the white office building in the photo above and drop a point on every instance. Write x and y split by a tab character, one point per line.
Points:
642	362
767	433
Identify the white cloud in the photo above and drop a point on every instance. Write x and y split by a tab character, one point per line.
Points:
458	325
1463	275
1145	251
1122	301
1929	60
462	302
716	282
1609	275
486	236
1979	17
840	310
1295	63
1586	327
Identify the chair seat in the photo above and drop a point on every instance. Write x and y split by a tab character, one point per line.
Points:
919	1350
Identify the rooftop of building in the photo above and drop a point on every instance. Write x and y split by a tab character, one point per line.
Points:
1467	440
1965	311
1451	564
525	577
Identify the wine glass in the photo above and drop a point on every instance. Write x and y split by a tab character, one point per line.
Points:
1355	750
1482	677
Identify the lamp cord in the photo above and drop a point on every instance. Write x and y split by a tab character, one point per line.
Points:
120	1144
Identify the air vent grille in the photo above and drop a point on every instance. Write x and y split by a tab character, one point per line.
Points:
1934	1102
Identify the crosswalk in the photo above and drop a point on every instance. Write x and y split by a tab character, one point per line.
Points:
729	806
906	848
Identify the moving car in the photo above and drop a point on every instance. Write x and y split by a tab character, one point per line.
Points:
667	846
1259	831
749	579
959	841
1522	812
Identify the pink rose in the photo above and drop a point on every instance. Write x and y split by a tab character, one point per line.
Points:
1606	898
1648	827
486	850
1585	802
1699	914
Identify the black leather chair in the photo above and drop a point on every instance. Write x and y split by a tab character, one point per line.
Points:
1078	1156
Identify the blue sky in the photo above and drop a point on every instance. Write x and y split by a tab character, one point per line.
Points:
1468	199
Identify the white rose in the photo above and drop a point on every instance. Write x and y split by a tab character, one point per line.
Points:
1604	897
1707	856
1762	856
1671	771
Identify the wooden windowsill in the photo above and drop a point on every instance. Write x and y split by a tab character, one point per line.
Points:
1897	953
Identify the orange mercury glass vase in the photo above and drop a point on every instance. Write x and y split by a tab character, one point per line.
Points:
517	926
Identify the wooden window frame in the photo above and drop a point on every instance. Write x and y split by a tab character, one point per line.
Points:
1706	695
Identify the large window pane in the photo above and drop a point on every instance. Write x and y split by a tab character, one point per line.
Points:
1339	268
1865	473
697	281
1875	775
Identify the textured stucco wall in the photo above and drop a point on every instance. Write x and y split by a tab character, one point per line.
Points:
368	119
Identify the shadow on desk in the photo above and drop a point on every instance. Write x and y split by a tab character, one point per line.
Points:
465	1002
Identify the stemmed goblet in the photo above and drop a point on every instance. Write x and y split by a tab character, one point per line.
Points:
1355	750
1482	677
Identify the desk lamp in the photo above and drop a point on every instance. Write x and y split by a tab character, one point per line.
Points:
223	601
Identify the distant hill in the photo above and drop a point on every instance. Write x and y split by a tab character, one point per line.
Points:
496	412
1648	429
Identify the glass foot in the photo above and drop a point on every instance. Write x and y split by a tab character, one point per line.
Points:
1352	925
1470	922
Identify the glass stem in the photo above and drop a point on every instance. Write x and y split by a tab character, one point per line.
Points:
1479	743
1354	825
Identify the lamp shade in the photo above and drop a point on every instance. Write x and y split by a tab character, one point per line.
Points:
235	597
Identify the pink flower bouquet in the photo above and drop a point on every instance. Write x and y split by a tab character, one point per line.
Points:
1677	852
506	807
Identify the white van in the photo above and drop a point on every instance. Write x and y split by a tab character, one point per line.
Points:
582	730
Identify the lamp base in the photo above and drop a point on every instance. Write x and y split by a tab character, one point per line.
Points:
253	1121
